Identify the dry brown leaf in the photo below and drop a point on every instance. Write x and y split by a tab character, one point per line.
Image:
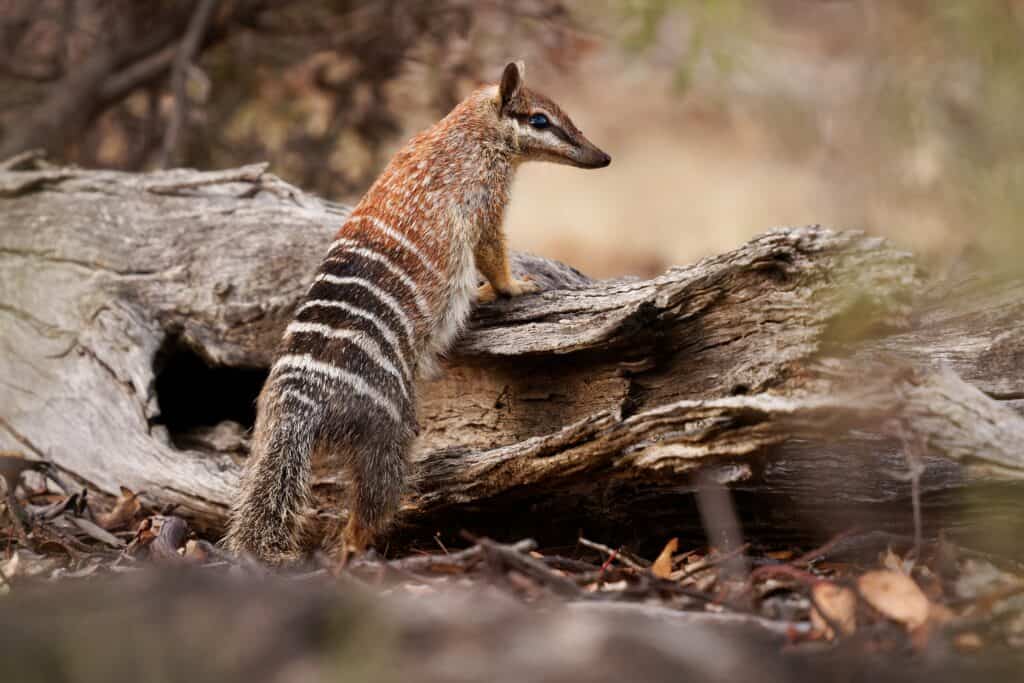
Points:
123	513
968	641
781	555
896	596
12	465
662	567
838	604
144	535
890	560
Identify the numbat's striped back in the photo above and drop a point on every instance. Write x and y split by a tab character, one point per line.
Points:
393	291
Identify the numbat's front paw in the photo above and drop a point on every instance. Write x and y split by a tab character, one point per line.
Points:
524	286
486	293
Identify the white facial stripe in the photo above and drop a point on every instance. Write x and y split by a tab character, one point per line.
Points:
359	339
354	247
385	298
403	240
543	138
307	363
382	327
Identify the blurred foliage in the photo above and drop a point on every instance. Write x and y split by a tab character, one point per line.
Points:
987	38
932	117
715	29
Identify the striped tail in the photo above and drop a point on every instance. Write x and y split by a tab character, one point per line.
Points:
342	382
267	518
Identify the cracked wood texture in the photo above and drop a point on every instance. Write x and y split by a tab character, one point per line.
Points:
801	370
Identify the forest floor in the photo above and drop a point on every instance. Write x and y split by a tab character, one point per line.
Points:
867	605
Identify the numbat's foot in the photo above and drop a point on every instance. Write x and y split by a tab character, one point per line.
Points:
486	293
356	538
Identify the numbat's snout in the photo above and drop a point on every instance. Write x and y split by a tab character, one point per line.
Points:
395	288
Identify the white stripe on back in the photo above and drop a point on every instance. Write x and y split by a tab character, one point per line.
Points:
382	327
300	397
307	363
388	300
401	239
360	339
354	247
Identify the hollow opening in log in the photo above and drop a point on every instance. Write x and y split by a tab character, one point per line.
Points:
202	404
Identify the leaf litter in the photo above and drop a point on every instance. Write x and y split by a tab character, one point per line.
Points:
859	590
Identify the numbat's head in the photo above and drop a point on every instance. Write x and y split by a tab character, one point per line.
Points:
536	129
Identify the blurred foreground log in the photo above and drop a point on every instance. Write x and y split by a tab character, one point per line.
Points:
139	313
201	626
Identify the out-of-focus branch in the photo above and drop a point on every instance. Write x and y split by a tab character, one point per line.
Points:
73	101
117	65
29	72
137	74
185	54
66	108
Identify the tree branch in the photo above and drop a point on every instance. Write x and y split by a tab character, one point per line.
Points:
182	63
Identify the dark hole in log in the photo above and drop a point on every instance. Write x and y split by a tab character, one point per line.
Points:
196	396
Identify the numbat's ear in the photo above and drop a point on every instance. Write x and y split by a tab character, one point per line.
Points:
511	81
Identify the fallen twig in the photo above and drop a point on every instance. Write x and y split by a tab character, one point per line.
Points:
22	159
706	564
822	551
97	532
459	561
509	557
616	554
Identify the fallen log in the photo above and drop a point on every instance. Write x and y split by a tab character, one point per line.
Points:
802	369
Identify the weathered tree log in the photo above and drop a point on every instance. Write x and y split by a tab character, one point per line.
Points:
139	314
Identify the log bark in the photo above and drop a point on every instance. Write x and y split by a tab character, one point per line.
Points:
802	369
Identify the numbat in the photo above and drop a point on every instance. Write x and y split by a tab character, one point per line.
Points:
393	292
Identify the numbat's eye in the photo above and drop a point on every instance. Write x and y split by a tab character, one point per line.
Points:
538	121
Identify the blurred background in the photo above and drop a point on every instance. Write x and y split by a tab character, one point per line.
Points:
724	118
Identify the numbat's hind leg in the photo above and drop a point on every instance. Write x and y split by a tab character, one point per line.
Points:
377	469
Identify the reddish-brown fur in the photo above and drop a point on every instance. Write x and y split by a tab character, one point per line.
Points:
394	291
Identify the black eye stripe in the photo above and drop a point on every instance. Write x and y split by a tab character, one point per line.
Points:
559	133
552	127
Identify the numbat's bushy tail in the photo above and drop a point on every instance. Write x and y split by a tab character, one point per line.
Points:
393	292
